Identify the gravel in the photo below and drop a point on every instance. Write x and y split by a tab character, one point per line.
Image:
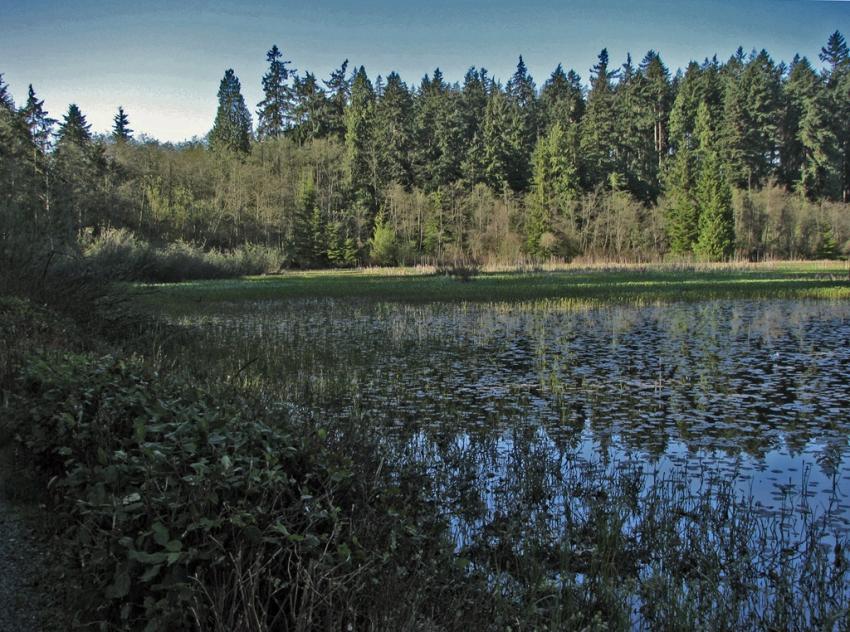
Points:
25	596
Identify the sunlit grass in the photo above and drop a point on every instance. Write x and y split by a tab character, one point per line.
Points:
632	284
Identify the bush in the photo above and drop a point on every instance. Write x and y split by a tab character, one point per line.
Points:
119	254
189	510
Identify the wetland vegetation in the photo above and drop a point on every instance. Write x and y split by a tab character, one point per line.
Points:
504	436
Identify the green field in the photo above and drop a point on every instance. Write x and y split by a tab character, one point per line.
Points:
632	284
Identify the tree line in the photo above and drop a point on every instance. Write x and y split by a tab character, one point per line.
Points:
748	158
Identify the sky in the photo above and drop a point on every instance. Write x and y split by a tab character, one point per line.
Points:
163	60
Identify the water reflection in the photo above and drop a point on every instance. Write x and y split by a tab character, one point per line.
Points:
754	390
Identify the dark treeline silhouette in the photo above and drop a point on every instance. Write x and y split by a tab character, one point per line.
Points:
747	158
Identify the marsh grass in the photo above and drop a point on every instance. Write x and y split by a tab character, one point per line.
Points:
642	284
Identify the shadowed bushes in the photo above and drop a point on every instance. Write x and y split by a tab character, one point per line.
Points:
119	254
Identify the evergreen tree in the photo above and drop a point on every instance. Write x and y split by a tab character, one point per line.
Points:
751	119
359	117
522	97
17	181
309	231
74	129
121	131
38	122
716	238
561	99
555	187
499	152
473	106
656	91
439	128
232	127
308	113
338	90
820	174
698	84
394	132
835	54
682	220
599	132
275	112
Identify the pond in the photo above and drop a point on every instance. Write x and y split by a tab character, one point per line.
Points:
755	389
690	429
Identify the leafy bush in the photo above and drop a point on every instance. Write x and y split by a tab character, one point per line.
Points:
189	510
120	254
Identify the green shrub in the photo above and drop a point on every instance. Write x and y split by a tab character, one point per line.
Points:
189	510
119	254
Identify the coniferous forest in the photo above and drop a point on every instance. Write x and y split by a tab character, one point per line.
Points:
746	158
494	440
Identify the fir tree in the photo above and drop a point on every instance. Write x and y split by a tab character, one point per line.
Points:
522	97
121	131
599	126
309	110
682	219
358	136
275	113
38	122
74	129
499	153
394	132
338	89
232	128
554	188
561	99
716	238
835	54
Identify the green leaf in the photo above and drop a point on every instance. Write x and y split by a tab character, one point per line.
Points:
120	586
160	533
151	573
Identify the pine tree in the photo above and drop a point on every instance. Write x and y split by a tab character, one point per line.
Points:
499	152
74	129
439	128
232	128
38	122
121	131
359	117
394	132
657	92
751	119
275	113
473	106
599	129
555	187
682	219
338	90
522	98
835	54
561	99
308	113
716	238
18	181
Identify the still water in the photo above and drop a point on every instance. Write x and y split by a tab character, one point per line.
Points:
755	392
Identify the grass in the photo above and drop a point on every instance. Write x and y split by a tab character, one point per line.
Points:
630	284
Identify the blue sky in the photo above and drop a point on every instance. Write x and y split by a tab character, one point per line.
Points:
163	60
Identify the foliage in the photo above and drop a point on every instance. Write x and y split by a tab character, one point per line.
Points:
190	510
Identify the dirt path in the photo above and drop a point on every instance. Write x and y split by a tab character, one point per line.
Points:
25	596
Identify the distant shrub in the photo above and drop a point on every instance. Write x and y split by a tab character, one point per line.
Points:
462	270
119	254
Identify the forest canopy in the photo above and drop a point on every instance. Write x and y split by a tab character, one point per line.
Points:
745	158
